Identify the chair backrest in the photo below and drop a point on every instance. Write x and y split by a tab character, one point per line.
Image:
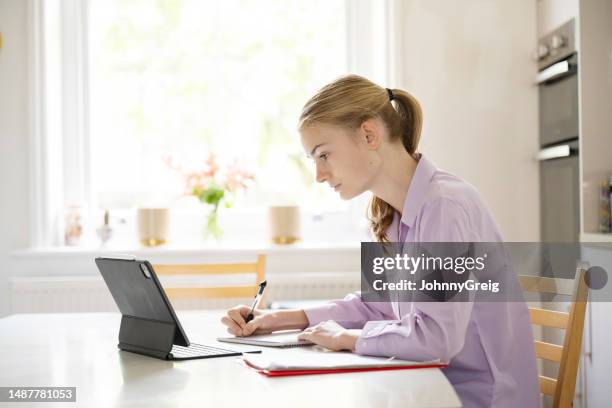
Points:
258	268
568	356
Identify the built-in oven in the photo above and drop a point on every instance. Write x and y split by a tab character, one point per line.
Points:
558	121
558	86
559	164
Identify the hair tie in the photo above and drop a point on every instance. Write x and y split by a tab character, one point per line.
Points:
391	96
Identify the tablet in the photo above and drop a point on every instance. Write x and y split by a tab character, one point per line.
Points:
149	325
138	293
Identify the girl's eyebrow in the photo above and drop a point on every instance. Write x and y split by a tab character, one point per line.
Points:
315	148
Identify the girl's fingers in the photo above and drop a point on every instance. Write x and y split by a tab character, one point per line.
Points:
250	327
237	317
307	334
232	327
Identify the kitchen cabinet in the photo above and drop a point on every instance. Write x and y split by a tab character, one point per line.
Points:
594	34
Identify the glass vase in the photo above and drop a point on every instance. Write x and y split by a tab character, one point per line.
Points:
211	229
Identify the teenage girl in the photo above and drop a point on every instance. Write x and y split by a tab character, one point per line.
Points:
364	138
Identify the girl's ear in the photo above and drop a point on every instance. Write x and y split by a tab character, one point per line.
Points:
372	133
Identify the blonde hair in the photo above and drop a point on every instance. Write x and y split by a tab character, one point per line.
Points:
349	101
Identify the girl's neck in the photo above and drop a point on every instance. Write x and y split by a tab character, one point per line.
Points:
393	180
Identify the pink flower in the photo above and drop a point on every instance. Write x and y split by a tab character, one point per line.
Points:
230	177
237	178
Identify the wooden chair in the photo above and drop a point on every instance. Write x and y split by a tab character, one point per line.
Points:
258	268
568	356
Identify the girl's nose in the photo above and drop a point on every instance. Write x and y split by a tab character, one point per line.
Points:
321	175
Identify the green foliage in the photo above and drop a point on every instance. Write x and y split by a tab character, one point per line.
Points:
211	195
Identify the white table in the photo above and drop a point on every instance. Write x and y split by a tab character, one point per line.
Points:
80	350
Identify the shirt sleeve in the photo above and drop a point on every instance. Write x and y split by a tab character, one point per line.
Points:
350	312
425	330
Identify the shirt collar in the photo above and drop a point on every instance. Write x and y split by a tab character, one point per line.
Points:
417	190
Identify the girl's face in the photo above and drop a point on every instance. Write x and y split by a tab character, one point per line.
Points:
345	159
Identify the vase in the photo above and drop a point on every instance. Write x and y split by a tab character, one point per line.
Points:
211	227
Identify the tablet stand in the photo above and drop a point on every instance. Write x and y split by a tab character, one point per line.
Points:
146	336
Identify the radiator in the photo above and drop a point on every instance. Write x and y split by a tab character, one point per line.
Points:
90	294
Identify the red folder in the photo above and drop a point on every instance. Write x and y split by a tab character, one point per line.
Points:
285	373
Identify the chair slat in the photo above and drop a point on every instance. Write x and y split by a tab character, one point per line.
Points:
541	284
216	292
548	351
547	385
548	318
204	269
238	291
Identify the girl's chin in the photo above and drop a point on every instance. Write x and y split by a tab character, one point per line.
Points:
346	195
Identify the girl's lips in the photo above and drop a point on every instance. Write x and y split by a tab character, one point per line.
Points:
337	187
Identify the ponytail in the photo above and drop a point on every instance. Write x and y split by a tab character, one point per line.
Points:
407	108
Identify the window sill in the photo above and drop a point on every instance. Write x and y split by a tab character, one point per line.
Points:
310	248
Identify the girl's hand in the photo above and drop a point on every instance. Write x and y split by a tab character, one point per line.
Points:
262	323
331	335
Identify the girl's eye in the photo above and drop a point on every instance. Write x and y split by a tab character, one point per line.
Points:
323	156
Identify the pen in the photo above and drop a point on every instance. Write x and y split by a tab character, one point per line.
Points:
262	286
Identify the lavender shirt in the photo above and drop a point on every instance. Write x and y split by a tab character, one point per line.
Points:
488	345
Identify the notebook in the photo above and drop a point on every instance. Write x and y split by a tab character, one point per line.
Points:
286	338
328	362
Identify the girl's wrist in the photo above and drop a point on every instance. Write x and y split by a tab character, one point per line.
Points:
288	319
348	339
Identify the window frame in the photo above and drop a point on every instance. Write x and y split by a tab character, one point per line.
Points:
59	139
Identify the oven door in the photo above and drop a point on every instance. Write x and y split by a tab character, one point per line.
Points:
558	96
559	193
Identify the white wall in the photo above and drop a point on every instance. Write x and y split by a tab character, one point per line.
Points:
470	65
13	136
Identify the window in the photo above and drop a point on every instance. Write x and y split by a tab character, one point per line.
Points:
124	84
189	77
